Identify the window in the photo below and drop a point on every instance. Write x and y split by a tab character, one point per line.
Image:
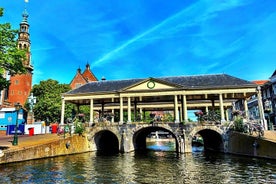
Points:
274	89
267	93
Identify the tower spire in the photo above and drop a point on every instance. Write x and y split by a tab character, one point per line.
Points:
25	16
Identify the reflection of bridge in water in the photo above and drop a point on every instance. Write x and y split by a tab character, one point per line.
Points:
132	137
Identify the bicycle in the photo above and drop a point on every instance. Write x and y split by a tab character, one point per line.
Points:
256	128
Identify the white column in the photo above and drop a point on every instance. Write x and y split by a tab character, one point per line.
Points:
112	111
185	111
246	108
261	109
176	113
141	110
206	109
226	114
181	113
128	110
121	110
62	111
91	110
221	108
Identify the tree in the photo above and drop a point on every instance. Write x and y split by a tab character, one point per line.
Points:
11	56
48	95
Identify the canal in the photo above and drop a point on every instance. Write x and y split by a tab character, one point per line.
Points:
157	165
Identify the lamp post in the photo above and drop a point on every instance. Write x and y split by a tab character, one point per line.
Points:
32	102
15	137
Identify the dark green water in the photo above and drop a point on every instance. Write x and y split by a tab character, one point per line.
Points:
150	167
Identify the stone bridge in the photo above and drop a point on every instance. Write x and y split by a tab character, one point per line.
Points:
132	137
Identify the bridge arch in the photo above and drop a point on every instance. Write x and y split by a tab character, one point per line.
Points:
139	137
212	137
106	142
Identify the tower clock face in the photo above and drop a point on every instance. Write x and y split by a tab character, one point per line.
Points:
151	84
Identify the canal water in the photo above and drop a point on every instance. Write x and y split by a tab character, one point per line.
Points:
158	165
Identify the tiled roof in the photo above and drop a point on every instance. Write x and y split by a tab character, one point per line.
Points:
260	82
187	82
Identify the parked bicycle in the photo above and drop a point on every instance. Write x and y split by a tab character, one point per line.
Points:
256	128
249	127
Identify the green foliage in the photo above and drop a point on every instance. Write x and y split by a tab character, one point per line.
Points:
48	106
79	127
168	117
238	124
10	56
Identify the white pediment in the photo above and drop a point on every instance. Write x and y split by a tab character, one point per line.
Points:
150	84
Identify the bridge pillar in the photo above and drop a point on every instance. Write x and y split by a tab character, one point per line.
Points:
187	144
181	145
126	143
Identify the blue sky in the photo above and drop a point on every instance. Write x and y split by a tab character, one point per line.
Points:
148	38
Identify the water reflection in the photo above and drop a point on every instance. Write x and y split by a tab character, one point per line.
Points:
142	167
161	144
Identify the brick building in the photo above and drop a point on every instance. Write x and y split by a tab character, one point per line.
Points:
20	85
82	78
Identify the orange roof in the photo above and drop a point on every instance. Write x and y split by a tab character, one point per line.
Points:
260	82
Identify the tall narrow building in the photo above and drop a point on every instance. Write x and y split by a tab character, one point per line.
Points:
21	85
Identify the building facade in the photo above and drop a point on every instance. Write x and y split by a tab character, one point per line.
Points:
82	78
269	101
20	84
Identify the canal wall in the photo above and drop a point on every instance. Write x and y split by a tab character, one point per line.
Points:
64	146
247	145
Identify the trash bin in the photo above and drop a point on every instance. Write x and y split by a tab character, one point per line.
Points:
54	128
31	131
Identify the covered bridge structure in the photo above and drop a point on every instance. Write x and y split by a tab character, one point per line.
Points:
178	94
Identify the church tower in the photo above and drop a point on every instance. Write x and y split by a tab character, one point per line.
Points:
21	85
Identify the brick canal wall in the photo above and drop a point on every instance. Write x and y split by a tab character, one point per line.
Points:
238	143
243	144
70	145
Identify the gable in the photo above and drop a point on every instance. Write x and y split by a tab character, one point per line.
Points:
89	76
77	81
150	84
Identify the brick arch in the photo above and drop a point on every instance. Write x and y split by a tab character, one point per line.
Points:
140	133
106	141
200	128
212	137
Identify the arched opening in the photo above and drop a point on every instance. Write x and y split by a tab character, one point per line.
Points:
154	138
106	142
197	143
211	140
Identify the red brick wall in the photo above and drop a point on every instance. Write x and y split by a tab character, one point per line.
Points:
78	79
20	88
